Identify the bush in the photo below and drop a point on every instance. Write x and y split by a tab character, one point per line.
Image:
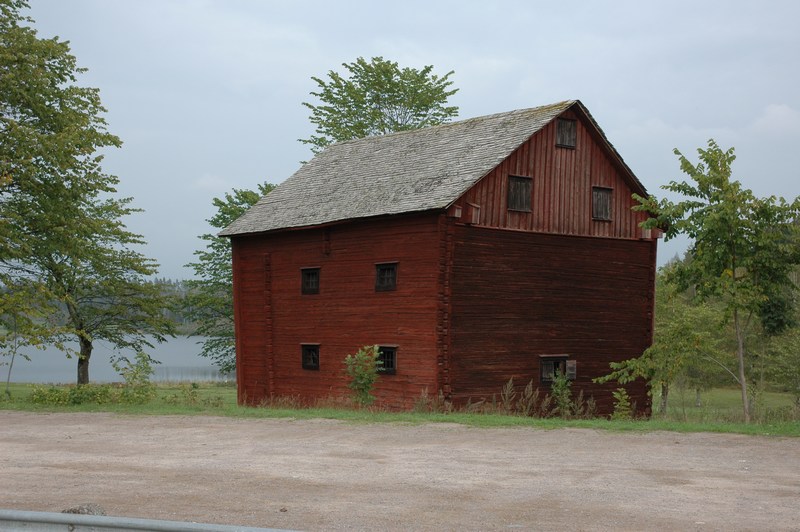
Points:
561	392
362	370
137	389
73	395
622	405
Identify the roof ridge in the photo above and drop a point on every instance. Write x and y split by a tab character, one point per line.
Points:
565	103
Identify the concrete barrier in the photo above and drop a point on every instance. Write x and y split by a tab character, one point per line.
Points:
13	520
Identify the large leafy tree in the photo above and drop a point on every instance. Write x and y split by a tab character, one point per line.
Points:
210	300
743	247
64	238
377	97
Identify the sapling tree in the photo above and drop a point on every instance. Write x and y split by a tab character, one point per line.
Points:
743	249
362	369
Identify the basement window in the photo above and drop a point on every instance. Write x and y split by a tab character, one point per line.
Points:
519	193
388	355
386	277
309	279
601	203
566	133
310	356
550	365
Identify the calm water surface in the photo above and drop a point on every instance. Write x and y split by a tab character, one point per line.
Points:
179	357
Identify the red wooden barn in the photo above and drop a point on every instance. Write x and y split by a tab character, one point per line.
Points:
473	252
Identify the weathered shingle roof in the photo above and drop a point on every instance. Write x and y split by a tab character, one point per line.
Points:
398	173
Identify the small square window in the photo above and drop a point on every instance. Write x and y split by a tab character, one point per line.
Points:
310	280
385	277
519	193
549	366
601	203
566	133
310	356
388	356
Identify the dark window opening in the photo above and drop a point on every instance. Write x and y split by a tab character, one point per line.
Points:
385	277
519	193
549	367
387	355
601	203
310	354
566	132
310	280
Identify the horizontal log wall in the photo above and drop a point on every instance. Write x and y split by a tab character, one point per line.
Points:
252	319
516	296
348	312
561	192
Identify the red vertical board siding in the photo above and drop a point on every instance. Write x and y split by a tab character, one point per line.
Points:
347	313
516	296
562	187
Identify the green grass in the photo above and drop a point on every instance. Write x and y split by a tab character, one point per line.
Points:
720	412
721	404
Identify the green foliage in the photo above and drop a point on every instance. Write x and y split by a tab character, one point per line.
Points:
720	412
137	389
375	98
744	248
622	405
64	239
189	395
21	328
561	392
209	302
783	367
99	394
362	369
531	403
686	343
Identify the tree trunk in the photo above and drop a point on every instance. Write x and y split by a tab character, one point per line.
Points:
698	402
740	358
662	406
83	360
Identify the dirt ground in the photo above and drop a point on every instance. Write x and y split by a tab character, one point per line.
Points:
328	475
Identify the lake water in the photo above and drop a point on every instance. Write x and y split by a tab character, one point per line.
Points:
179	357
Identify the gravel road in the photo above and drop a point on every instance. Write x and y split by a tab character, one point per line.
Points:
328	475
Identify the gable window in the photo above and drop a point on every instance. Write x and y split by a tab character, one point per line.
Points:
310	356
309	279
549	366
566	132
385	277
519	193
601	203
387	354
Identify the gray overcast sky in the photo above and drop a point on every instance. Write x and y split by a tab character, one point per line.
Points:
206	95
